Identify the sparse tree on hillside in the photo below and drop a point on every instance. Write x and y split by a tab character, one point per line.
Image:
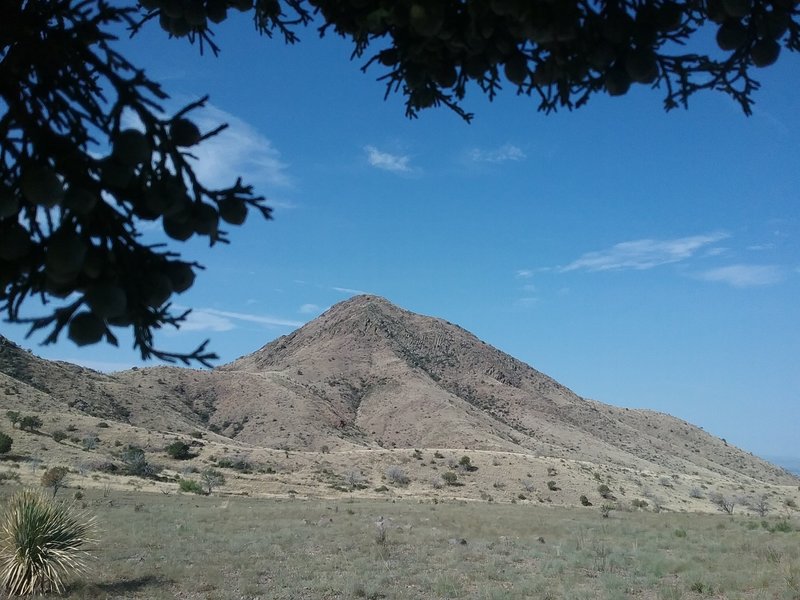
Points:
212	478
136	462
14	417
76	182
723	502
55	478
760	505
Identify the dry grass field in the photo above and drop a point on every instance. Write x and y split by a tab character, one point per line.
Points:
154	545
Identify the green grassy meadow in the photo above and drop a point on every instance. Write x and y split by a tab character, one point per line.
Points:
186	546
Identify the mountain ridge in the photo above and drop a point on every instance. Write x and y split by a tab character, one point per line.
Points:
369	374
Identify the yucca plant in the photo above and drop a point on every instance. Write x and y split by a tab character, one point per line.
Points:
41	542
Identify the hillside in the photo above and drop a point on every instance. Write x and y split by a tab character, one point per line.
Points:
367	376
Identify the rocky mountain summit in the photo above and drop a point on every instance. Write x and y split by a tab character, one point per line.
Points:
368	374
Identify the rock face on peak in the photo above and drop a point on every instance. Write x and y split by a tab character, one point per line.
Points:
367	373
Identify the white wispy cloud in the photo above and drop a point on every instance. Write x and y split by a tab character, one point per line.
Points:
760	247
524	273
308	309
240	150
744	275
345	290
395	163
211	319
506	152
643	254
203	320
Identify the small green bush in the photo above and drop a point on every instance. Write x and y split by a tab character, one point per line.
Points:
551	485
783	526
5	443
585	501
59	435
179	450
30	422
190	486
449	477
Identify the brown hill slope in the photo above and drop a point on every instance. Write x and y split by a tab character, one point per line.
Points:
367	373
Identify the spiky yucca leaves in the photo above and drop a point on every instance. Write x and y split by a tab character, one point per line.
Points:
40	543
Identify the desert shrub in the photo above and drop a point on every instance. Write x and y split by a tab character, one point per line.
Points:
8	476
724	503
212	478
606	509
790	503
417	454
196	434
783	526
55	478
14	417
102	425
72	427
325	449
450	477
236	463
354	479
438	454
381	488
395	474
190	486
551	485
551	472
585	501
638	503
5	443
40	544
179	450
604	490
103	466
465	464
695	493
437	483
90	442
760	505
527	485
58	435
136	462
30	422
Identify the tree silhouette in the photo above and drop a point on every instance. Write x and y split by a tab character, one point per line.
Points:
88	154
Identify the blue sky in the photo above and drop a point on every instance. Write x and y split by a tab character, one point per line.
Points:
642	258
